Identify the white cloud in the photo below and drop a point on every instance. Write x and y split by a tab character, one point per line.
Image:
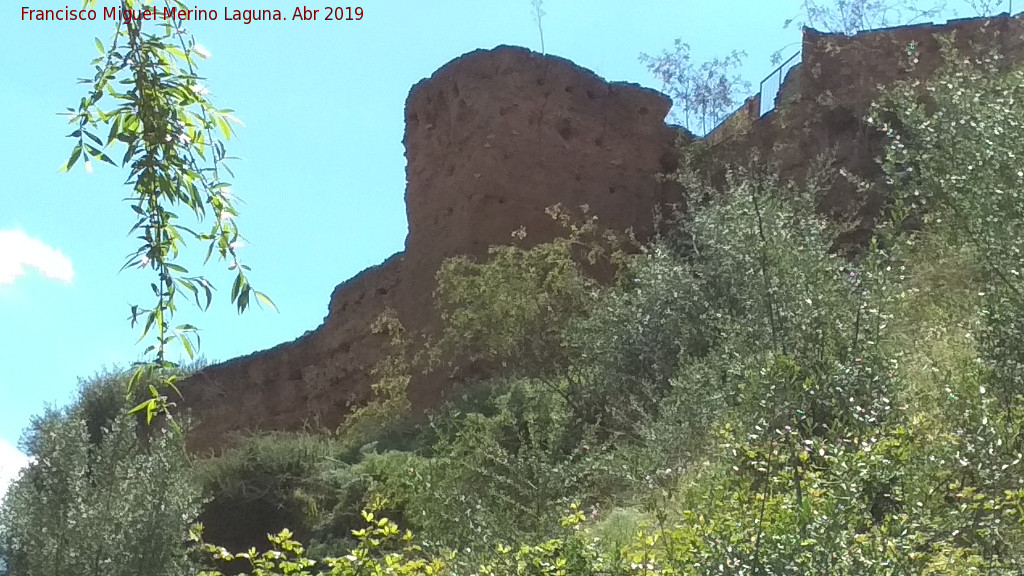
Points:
11	463
19	250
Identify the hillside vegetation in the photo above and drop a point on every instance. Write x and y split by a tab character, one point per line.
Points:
746	397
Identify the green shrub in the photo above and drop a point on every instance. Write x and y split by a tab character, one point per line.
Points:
261	485
381	549
98	498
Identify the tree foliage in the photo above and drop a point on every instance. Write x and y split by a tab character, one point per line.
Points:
147	96
703	94
98	497
852	16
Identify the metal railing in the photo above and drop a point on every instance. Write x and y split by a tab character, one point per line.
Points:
772	83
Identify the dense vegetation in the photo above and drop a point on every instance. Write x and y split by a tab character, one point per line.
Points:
98	498
741	399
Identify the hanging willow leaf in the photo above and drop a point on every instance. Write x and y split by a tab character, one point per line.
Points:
165	125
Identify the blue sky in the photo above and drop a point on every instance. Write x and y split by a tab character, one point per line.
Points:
323	176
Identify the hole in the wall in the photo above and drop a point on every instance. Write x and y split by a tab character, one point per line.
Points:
841	119
643	111
669	162
569	89
464	111
565	129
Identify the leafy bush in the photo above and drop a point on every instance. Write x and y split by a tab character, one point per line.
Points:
500	477
510	312
956	157
381	549
312	484
262	485
98	497
384	418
